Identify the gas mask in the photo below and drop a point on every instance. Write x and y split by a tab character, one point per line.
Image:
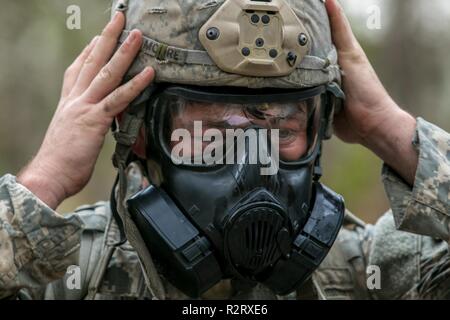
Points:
240	196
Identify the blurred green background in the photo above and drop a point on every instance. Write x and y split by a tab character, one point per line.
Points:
409	52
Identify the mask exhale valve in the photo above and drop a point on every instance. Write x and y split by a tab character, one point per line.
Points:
258	242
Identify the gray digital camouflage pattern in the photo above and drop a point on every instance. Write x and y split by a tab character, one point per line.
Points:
37	245
175	25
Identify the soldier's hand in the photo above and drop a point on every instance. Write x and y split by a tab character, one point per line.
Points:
370	116
90	99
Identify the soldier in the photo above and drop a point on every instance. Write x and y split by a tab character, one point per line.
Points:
181	227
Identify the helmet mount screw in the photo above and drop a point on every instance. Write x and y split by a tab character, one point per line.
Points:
302	39
273	53
255	18
259	42
246	51
265	19
291	58
121	7
213	33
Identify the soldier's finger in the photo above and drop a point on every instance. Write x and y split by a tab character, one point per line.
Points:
72	72
101	53
341	30
120	98
111	75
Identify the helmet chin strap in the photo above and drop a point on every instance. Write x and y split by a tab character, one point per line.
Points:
126	135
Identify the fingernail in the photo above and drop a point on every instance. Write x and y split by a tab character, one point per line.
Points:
94	40
131	37
116	15
147	71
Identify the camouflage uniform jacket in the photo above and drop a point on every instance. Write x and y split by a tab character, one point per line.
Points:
38	245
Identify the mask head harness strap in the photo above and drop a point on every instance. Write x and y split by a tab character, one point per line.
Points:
336	97
126	135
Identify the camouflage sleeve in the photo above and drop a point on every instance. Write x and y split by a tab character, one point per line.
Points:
416	264
36	244
411	266
424	209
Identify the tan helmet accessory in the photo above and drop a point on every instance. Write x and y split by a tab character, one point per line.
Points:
255	38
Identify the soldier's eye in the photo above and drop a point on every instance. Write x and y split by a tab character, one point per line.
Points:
286	135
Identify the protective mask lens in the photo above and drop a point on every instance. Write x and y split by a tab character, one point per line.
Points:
207	132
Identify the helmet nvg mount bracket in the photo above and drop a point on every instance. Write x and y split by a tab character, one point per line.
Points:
255	38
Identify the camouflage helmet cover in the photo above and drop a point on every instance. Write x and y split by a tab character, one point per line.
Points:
176	42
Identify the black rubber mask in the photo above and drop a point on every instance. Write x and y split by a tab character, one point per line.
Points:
220	212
